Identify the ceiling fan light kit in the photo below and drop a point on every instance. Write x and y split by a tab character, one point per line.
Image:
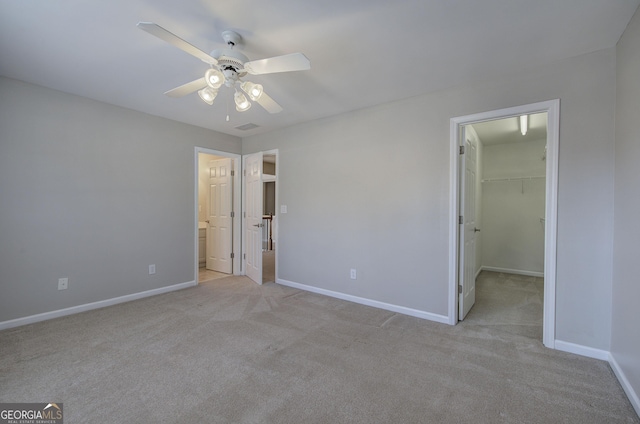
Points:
241	101
208	95
253	90
227	67
214	78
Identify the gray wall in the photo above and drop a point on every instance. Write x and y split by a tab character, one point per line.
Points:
512	234
625	338
370	190
94	193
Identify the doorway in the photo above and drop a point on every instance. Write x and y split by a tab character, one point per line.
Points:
269	243
508	236
260	220
217	197
461	281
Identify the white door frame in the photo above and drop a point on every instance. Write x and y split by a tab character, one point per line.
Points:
237	195
552	107
274	152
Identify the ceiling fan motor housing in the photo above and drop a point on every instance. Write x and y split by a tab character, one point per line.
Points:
232	38
231	64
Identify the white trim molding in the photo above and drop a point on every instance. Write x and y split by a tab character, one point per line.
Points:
368	302
603	355
624	382
552	108
581	350
90	306
513	271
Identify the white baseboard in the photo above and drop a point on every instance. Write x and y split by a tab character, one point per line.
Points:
368	302
589	352
605	356
626	385
89	306
513	271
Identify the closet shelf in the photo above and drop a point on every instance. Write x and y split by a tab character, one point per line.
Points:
490	180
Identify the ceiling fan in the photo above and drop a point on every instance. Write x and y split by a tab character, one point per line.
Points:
228	67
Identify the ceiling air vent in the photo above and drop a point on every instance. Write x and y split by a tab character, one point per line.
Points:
246	127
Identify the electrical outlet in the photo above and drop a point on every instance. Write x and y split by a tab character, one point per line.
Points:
63	283
152	269
354	274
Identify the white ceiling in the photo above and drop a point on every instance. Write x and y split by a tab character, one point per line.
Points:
362	52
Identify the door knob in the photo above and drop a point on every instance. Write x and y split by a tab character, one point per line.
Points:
257	225
476	230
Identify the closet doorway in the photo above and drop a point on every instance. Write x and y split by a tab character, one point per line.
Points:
467	179
510	219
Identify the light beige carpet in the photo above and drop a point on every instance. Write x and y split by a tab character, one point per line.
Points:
230	351
205	275
509	303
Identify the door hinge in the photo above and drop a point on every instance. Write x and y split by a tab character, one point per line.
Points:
459	288
244	172
244	214
233	214
460	220
233	173
244	256
462	150
233	255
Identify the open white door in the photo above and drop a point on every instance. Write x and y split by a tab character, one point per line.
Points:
468	228
220	222
253	216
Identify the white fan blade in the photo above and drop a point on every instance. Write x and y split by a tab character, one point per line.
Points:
269	104
187	88
286	63
171	38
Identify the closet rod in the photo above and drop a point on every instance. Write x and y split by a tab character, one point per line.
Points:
489	180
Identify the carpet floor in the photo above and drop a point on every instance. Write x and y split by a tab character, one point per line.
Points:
230	351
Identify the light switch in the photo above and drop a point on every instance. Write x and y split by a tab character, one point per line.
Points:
283	208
